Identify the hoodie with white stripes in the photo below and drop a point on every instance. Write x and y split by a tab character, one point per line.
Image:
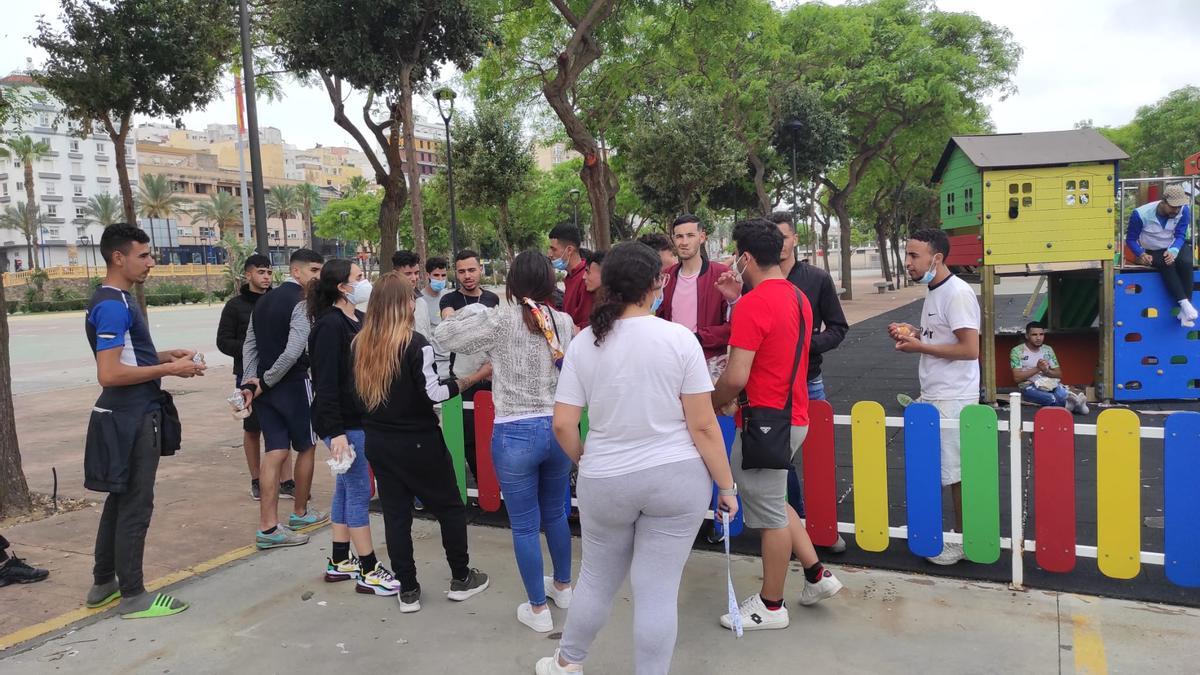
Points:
413	393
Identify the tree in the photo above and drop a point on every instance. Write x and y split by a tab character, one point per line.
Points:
158	58
284	202
1161	135
676	154
310	204
889	65
25	150
157	199
389	49
221	212
28	222
357	186
493	164
360	223
103	210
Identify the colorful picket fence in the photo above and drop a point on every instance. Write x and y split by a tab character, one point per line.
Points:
1118	435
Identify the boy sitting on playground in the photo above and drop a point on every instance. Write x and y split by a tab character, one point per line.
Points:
1038	375
1157	237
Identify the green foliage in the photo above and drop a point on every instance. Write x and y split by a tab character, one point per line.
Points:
493	163
157	197
221	212
103	209
24	148
236	253
360	224
809	128
27	222
357	186
1161	135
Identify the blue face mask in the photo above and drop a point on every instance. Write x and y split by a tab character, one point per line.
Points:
560	264
929	274
437	285
656	304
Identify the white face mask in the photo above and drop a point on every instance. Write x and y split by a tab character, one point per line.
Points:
360	292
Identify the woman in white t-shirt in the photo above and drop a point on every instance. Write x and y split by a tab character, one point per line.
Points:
653	450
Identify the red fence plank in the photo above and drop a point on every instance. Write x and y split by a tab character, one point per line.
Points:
1054	488
820	475
489	487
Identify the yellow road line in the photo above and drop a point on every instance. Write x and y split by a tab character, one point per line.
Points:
64	620
1088	647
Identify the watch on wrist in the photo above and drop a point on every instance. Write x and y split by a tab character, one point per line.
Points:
730	492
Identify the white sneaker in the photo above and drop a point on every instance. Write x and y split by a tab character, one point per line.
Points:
826	587
756	616
950	555
562	599
1081	405
1072	403
549	666
839	546
540	622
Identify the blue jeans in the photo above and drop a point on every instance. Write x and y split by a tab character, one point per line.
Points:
816	392
352	490
1058	397
534	475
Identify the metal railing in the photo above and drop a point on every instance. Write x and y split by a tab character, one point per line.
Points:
85	272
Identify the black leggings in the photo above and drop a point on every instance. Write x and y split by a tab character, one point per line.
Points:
1177	277
417	464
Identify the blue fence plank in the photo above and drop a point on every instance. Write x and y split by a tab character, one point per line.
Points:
728	431
1181	494
923	478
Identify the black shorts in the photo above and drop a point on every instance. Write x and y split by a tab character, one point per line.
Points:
250	424
283	414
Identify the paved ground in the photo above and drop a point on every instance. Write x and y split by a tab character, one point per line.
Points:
272	613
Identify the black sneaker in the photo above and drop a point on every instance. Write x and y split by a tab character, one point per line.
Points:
475	583
287	489
17	571
255	492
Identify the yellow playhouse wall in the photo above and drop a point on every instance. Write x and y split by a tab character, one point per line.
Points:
1051	230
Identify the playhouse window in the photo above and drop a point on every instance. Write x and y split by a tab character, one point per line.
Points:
1027	195
949	203
1076	192
968	200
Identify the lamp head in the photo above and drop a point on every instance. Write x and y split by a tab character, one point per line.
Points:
445	95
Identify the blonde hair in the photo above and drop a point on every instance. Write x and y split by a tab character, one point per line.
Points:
386	332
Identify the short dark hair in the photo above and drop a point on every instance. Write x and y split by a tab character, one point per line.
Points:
120	237
306	255
566	232
937	240
1034	324
760	238
778	217
256	261
594	258
684	219
405	259
657	241
435	264
464	254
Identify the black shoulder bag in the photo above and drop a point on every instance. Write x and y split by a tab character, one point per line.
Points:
767	432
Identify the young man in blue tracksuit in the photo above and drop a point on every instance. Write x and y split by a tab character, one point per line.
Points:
1157	236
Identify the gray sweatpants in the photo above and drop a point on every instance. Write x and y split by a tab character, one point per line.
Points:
642	525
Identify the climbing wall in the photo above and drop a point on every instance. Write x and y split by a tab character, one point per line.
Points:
1154	357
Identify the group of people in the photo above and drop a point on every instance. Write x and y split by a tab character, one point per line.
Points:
652	339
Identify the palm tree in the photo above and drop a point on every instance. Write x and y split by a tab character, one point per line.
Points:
157	199
220	211
28	223
103	210
25	150
283	203
357	186
310	205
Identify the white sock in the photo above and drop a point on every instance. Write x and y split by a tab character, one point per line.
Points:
1188	309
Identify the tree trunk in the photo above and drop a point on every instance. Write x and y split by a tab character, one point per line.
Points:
31	210
502	232
29	250
825	245
881	242
287	249
389	217
117	136
760	182
14	490
410	160
838	204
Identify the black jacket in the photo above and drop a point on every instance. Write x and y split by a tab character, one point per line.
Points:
828	319
413	393
335	405
231	331
112	432
272	330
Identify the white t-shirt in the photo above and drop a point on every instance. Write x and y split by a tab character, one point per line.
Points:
631	386
949	306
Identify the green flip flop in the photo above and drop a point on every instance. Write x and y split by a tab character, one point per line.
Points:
163	605
109	598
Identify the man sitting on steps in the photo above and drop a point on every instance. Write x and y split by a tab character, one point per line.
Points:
1038	375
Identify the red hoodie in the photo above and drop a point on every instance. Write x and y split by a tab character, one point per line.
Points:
712	328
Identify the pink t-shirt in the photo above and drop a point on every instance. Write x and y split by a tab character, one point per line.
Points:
683	303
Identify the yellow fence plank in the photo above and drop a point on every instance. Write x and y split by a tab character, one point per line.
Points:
869	455
1118	502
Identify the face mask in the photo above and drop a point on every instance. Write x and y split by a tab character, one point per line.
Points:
738	272
560	264
437	285
656	304
929	274
360	291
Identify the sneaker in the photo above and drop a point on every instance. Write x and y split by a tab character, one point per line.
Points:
379	581
17	571
540	622
839	546
550	666
475	583
418	505
410	601
1071	404
310	518
255	491
281	537
950	555
287	489
562	599
1081	406
341	571
756	616
826	587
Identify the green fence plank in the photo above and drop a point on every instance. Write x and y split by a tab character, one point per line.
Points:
980	483
583	425
452	431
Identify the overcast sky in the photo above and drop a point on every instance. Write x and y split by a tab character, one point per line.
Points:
1097	59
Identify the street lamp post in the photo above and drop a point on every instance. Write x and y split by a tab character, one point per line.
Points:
575	207
344	215
795	127
87	269
446	95
42	244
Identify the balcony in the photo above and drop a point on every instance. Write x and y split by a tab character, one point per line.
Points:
106	179
79	199
49	175
55	220
78	177
75	154
4	176
5	199
52	198
101	158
